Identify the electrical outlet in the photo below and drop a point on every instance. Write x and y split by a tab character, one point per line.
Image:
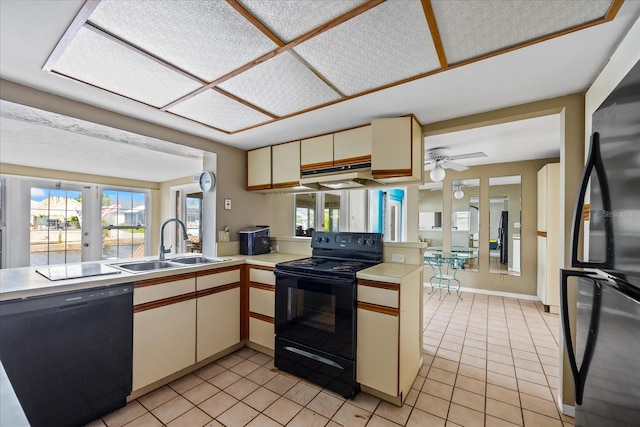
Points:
397	257
227	204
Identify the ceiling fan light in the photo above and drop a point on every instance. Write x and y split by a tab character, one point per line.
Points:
437	174
458	194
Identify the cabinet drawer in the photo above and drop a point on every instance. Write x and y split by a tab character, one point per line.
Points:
262	301
148	291
380	294
212	280
262	276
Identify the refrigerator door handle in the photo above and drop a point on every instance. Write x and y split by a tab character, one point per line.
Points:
580	374
593	162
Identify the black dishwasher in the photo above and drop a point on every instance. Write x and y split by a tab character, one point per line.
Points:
68	355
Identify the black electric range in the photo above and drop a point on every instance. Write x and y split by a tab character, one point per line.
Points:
315	319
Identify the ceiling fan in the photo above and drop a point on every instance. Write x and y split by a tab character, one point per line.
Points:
438	159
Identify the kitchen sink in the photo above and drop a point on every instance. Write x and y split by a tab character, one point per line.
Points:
135	267
150	265
197	260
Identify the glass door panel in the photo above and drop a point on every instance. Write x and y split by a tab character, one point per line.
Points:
55	235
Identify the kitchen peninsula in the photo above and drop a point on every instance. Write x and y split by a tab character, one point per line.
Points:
200	313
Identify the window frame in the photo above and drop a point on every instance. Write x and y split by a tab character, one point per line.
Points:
98	229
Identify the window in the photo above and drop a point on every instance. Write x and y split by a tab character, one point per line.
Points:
305	214
194	220
331	211
460	220
55	218
123	216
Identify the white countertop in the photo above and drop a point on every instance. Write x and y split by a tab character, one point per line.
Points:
268	260
25	282
389	272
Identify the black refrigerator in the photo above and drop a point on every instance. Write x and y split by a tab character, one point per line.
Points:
605	361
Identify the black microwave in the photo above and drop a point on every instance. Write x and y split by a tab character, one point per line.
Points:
255	240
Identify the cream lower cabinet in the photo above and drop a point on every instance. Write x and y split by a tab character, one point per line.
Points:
218	311
164	328
389	335
262	283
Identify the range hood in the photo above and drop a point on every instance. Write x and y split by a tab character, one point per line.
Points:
340	177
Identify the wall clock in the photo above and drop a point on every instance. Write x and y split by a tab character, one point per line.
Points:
207	181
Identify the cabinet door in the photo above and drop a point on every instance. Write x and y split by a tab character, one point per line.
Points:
542	199
259	169
164	341
352	146
316	153
286	165
542	269
396	149
218	321
377	357
261	332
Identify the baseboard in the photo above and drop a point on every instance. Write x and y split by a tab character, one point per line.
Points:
568	410
500	294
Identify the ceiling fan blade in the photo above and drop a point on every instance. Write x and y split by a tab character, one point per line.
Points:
455	166
468	156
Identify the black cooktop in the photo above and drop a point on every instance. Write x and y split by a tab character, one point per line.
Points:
340	254
326	266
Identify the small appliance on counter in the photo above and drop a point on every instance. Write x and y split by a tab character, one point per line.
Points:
255	240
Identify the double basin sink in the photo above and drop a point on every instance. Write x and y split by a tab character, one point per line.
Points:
152	265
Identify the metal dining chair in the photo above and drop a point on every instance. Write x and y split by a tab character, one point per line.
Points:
444	272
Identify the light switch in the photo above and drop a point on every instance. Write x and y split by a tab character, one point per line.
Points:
227	204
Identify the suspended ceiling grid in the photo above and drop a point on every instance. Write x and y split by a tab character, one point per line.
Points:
235	65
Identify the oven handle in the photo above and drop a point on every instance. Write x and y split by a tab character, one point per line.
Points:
318	277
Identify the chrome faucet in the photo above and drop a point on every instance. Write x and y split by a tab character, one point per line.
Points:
161	249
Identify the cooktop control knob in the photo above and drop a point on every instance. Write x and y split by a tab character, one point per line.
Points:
318	239
370	242
360	241
326	240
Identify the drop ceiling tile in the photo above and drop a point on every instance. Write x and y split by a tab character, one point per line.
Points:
386	44
282	85
476	27
217	110
205	38
291	19
101	62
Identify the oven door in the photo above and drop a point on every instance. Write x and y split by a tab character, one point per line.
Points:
317	311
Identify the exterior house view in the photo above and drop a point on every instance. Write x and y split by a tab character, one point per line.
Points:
319	212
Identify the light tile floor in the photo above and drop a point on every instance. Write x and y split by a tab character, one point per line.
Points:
488	361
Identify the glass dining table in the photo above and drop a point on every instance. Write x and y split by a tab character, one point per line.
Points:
445	267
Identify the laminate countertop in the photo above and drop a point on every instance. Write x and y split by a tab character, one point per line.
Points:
24	282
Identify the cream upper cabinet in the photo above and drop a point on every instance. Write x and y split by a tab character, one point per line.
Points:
316	152
285	170
352	146
259	169
396	149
